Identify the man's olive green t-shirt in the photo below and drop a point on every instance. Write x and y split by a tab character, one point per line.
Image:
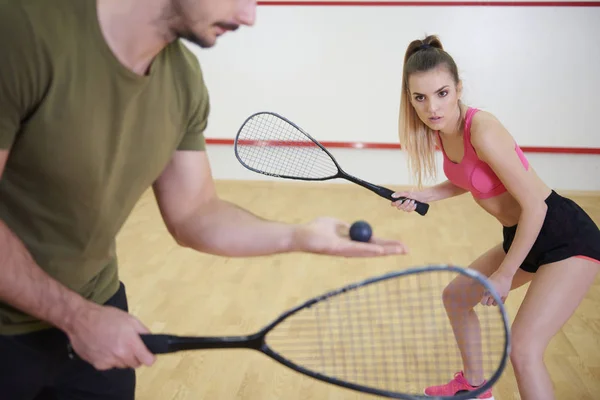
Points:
86	138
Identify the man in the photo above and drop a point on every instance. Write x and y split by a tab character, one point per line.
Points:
99	100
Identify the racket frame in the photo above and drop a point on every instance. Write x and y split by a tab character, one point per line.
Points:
384	192
165	343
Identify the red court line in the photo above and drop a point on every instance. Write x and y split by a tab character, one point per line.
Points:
434	3
394	146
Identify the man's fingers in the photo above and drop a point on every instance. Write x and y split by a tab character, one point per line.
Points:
139	326
124	355
386	242
351	248
143	355
369	249
390	245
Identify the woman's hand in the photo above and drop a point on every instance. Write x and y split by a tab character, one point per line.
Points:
502	283
408	204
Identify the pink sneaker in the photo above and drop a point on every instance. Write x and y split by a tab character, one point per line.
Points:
456	386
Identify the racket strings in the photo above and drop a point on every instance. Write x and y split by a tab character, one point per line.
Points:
393	335
271	145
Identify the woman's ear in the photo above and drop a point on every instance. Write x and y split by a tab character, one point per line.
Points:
459	90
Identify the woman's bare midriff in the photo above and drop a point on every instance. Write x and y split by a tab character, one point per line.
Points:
505	208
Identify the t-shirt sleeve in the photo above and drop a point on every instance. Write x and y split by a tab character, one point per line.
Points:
22	72
194	138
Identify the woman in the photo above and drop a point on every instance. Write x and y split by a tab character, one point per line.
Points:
548	239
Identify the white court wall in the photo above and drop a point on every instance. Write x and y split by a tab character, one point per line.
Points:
336	71
570	172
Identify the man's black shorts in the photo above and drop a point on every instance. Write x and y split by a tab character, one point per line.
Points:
567	231
36	366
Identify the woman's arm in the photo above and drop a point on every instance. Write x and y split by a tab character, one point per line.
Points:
441	191
496	147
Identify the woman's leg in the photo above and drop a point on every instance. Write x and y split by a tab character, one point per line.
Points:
460	297
551	299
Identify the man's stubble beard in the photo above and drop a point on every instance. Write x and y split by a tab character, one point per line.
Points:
193	38
176	26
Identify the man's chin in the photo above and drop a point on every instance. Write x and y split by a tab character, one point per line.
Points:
205	43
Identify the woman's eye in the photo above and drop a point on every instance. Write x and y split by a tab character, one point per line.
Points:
419	98
443	93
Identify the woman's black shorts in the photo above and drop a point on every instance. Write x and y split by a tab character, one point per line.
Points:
567	231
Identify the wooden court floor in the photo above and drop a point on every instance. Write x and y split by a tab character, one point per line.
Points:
175	290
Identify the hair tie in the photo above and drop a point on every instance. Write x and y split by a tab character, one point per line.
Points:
424	46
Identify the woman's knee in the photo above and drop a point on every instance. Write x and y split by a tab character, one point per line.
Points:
460	296
525	349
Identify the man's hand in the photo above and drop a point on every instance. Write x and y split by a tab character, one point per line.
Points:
331	237
104	336
107	337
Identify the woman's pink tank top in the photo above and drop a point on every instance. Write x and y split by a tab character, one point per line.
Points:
471	173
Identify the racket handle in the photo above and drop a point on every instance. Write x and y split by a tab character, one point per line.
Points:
157	344
165	343
422	208
384	192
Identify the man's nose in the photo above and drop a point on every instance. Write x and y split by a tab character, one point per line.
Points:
247	15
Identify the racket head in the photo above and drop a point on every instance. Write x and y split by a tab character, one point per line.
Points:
388	335
270	144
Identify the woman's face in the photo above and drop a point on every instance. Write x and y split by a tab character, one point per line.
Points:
435	96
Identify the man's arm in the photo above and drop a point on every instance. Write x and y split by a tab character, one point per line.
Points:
26	286
104	336
197	218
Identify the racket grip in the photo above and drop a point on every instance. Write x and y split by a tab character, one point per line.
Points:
157	343
421	208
